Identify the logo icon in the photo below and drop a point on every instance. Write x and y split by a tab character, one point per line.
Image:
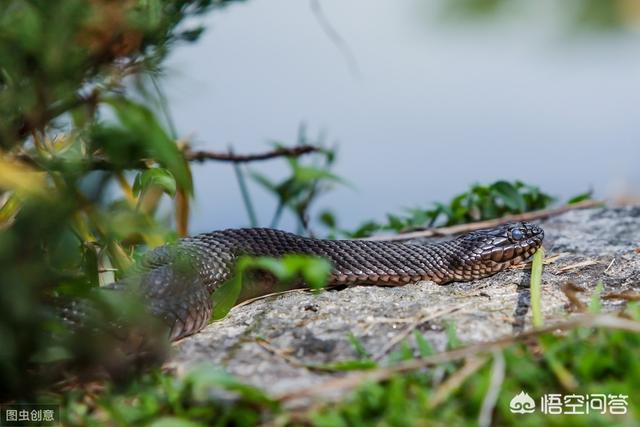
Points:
522	403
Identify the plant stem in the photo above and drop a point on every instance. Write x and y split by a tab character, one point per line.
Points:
535	289
246	198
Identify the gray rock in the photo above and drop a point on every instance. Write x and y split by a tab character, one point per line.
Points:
275	342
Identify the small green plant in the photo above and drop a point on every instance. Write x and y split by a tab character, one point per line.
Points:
584	361
313	271
480	202
204	396
409	390
305	183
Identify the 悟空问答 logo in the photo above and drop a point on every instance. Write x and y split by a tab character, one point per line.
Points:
522	403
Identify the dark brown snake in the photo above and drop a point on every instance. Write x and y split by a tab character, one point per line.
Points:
177	281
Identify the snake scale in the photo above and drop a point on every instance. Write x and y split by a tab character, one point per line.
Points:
176	281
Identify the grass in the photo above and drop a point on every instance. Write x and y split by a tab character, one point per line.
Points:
463	386
536	288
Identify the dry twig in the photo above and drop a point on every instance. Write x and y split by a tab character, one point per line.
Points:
627	295
353	380
296	151
452	383
417	322
571	291
580	264
103	163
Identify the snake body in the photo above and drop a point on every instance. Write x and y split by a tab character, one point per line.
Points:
176	281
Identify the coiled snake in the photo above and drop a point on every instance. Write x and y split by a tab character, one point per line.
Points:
176	281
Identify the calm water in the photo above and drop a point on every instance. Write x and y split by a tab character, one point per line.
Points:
433	108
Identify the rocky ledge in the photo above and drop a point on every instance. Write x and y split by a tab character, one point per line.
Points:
272	342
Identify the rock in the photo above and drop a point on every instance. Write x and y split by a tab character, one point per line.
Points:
272	343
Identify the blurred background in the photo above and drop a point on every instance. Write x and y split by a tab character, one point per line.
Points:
421	99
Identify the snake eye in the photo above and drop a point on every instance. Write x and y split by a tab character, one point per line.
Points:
517	234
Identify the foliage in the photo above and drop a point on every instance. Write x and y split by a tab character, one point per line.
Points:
313	271
596	360
87	153
78	110
205	396
602	360
305	183
479	203
583	15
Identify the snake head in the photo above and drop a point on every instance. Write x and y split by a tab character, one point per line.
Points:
495	249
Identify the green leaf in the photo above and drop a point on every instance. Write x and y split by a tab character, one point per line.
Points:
174	422
264	181
310	174
425	348
137	122
405	352
364	230
282	268
328	219
203	378
358	346
395	222
510	195
329	419
316	272
580	197
452	336
155	177
9	210
226	297
313	270
595	306
348	365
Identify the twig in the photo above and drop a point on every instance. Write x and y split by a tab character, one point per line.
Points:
280	353
610	265
298	150
571	291
580	264
548	260
103	163
353	380
627	295
464	228
261	297
419	321
40	118
452	383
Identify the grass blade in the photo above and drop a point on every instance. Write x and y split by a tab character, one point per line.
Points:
536	288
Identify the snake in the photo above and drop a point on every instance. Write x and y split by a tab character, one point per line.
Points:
177	281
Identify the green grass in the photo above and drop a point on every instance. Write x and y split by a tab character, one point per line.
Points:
536	288
591	356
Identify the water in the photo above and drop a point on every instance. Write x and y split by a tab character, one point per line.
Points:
433	107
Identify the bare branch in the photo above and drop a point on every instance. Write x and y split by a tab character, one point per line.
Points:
103	163
351	381
298	150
